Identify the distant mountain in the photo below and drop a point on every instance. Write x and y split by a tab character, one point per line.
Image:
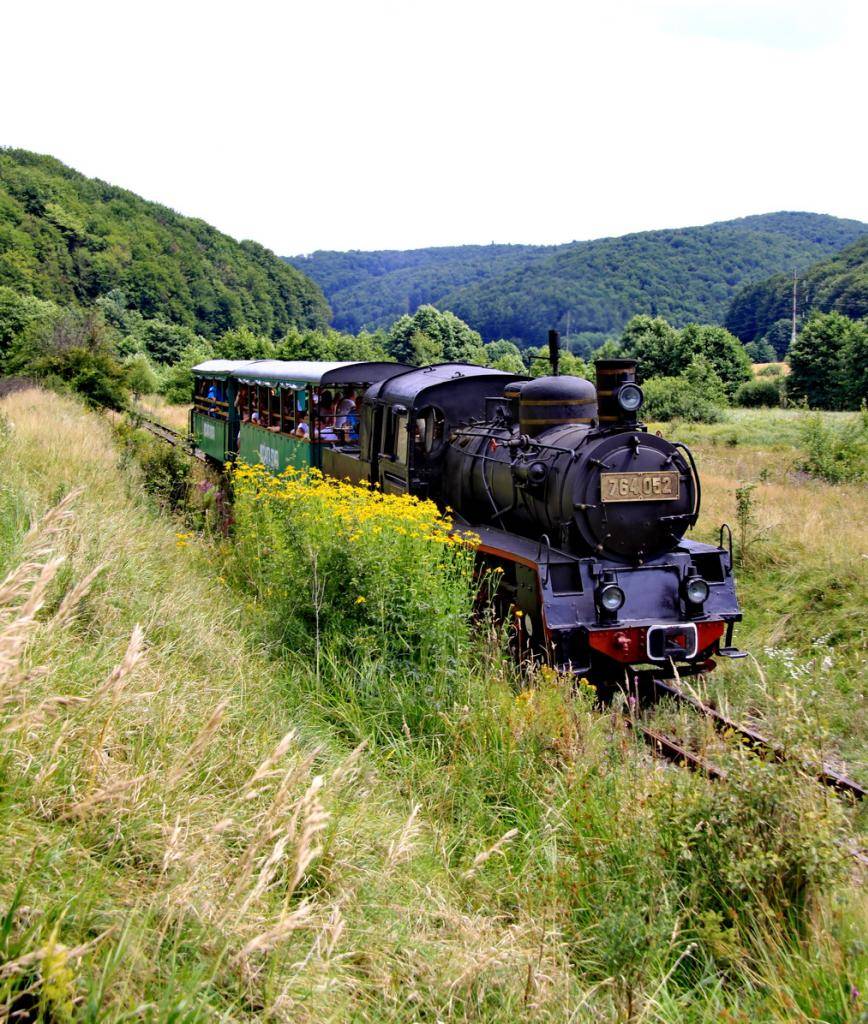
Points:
519	291
71	239
838	284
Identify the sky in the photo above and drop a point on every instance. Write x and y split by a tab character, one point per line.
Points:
371	124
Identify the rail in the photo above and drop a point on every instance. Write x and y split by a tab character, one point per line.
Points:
172	437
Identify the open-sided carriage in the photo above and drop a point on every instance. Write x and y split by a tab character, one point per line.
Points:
280	413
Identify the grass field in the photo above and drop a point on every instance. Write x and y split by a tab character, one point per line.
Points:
200	824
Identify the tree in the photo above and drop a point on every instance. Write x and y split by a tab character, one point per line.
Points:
818	367
855	360
658	347
177	383
163	341
510	364
778	336
496	350
24	322
722	350
242	343
760	352
442	331
140	374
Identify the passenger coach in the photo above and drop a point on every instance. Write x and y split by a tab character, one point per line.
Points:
279	413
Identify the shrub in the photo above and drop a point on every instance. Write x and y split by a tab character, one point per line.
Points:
772	370
837	454
95	374
697	397
756	393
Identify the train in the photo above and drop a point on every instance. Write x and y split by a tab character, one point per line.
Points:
581	512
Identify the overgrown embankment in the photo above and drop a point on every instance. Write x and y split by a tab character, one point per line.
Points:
232	789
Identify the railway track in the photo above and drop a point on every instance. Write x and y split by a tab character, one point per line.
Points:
653	689
172	437
669	749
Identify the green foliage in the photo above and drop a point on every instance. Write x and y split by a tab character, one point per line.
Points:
141	376
656	345
176	384
761	351
697	397
538	364
581	288
495	350
756	393
836	453
333	345
837	284
74	239
723	352
78	354
503	355
430	335
24	322
772	370
164	342
242	343
829	363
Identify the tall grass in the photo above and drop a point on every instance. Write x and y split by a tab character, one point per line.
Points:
202	823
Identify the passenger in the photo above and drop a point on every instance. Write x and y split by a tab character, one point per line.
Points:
302	429
345	414
254	416
327	409
213	396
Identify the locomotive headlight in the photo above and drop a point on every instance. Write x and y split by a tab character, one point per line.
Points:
630	397
611	597
696	590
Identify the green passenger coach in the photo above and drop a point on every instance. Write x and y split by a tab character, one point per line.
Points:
280	413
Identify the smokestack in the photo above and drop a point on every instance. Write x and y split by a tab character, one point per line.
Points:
555	352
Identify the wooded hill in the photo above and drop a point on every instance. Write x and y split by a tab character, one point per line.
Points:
590	288
70	238
838	284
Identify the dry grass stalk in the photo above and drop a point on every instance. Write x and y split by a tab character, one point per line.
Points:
199	744
273	936
109	794
21	963
15	634
71	601
266	769
481	858
401	847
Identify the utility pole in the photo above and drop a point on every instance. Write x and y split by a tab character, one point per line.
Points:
793	334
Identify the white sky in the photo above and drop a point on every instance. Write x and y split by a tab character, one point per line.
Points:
336	124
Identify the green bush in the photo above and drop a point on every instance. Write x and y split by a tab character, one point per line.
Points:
697	396
95	374
772	370
837	454
141	375
756	393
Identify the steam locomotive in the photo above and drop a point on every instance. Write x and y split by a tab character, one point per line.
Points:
579	509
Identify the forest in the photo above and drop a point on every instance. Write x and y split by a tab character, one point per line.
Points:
838	284
587	290
70	239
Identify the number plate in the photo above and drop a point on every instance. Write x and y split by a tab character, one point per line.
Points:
642	486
